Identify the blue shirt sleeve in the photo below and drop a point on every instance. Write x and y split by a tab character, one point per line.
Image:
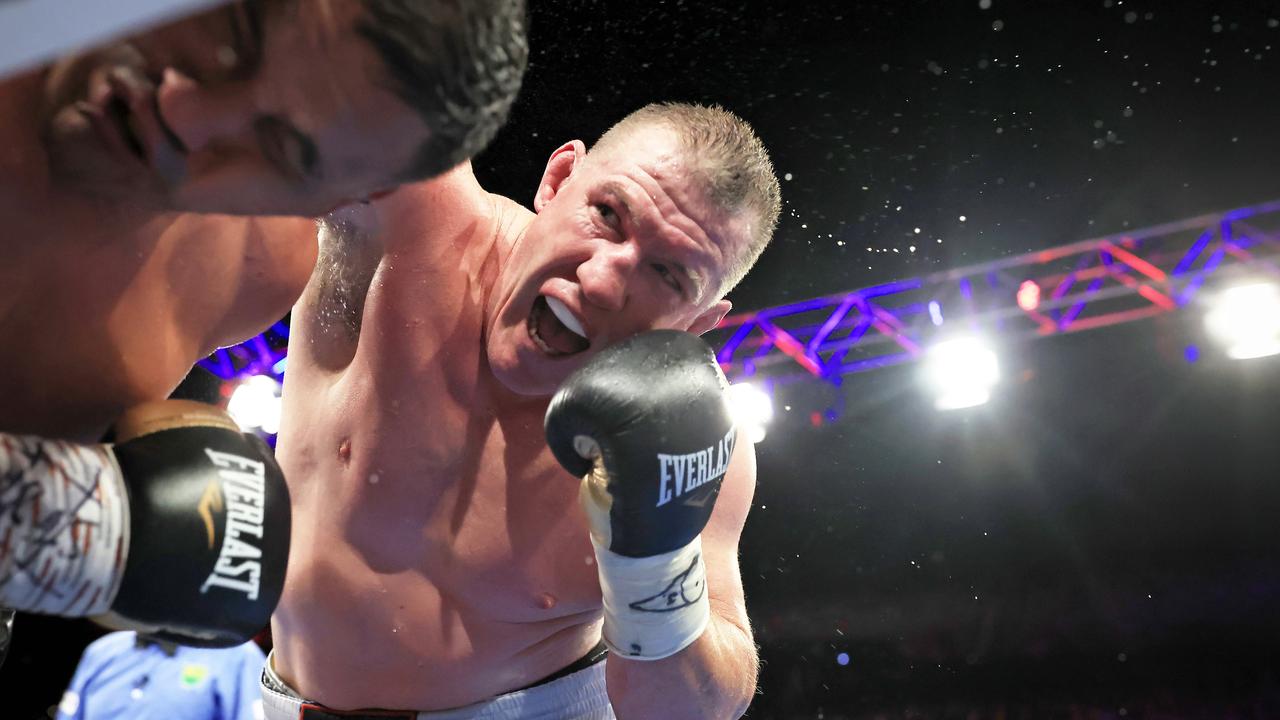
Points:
240	696
71	707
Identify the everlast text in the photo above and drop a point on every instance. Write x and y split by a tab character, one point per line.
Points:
682	474
239	565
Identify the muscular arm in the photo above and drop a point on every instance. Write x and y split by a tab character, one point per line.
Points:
249	272
715	677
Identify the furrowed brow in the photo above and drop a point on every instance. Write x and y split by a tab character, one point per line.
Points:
619	193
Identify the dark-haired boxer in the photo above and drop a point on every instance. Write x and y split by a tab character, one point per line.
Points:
128	178
441	566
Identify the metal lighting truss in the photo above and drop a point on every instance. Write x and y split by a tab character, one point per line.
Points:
1080	286
1075	287
262	354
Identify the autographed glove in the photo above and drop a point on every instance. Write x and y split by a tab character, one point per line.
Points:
179	530
646	426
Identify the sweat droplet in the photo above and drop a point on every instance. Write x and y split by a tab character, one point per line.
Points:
373	478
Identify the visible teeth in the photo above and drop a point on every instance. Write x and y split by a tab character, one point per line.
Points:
537	339
542	344
563	315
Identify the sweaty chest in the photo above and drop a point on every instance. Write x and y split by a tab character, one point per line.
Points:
429	483
422	470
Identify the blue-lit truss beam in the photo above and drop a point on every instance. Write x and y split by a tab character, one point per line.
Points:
1084	285
261	354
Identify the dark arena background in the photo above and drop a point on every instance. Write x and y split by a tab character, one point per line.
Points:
1076	196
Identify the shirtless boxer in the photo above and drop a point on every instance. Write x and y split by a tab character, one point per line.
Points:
440	560
127	176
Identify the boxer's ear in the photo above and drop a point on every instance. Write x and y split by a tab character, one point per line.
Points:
567	158
711	317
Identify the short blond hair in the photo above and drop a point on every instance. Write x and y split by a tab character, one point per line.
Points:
725	151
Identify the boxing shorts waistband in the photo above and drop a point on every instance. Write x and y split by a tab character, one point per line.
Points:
593	656
576	691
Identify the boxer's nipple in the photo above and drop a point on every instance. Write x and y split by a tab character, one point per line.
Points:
344	451
546	601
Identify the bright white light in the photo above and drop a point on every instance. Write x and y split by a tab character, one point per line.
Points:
1247	320
255	404
751	409
935	312
1028	295
961	373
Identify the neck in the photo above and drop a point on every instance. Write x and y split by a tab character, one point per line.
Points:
510	223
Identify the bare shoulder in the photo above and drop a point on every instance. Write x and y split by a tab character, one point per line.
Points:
512	217
452	205
429	229
423	216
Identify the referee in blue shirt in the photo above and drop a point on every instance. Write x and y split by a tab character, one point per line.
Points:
122	675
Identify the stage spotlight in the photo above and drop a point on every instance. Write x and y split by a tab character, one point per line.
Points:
960	372
255	404
1246	319
751	408
1028	295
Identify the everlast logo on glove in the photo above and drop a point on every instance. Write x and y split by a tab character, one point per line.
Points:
239	565
681	474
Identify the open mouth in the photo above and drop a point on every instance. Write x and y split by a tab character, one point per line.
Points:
554	329
112	124
116	112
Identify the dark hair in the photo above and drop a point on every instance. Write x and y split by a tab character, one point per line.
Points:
458	63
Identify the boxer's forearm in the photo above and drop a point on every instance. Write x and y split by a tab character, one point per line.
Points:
715	677
63	522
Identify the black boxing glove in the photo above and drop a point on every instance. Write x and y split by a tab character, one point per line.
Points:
209	528
179	530
646	425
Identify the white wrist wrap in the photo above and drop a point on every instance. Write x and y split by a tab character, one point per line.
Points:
65	527
654	607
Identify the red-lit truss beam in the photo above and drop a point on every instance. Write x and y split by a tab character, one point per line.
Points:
1080	286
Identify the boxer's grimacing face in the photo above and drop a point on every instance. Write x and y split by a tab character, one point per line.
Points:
623	242
264	107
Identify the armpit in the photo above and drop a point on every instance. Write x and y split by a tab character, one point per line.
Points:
349	256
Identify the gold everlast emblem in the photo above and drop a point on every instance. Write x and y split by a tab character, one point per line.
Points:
210	503
243	488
